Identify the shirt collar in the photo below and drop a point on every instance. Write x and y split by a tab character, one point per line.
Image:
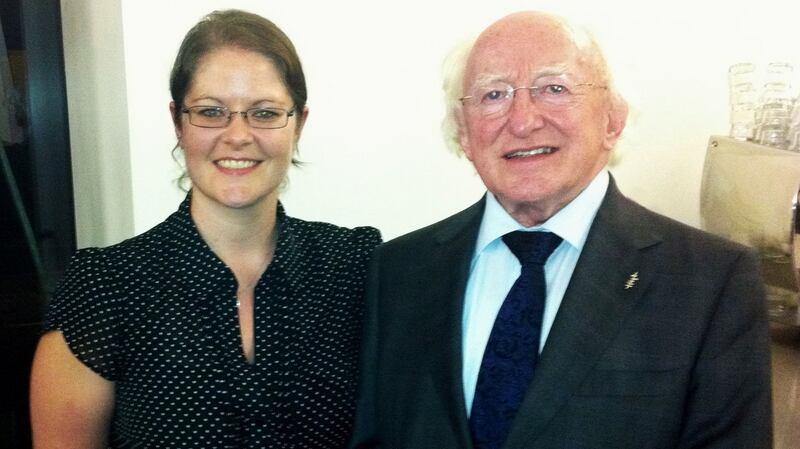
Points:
571	223
181	228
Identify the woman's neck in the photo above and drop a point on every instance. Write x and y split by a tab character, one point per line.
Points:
244	239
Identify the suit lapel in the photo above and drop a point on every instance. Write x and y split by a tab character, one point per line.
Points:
594	307
449	268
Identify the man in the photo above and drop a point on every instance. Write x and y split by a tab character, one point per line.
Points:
648	334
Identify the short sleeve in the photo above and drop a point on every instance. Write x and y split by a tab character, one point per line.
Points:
86	307
365	239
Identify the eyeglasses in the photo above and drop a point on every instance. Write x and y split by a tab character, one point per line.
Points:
219	117
495	99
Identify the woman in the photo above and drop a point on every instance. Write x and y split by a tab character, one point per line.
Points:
230	324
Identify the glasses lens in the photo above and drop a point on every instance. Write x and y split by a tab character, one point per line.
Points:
555	95
267	118
493	99
208	116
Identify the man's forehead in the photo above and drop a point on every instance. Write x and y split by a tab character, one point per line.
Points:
540	52
561	70
524	62
527	29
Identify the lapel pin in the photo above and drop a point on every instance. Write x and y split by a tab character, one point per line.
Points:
632	280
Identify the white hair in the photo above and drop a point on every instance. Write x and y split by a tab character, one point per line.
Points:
455	63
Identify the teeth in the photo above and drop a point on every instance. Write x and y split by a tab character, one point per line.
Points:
235	164
531	152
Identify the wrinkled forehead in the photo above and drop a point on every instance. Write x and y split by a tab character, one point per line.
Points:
522	51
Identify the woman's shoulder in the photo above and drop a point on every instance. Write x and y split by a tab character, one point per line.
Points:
322	233
90	305
134	250
319	252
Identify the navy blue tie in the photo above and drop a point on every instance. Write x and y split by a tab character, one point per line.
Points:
513	348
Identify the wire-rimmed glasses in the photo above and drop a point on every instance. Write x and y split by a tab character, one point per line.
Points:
495	98
219	116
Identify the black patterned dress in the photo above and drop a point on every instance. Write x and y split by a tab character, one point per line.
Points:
157	315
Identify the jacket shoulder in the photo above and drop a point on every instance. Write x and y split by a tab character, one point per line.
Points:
681	241
465	221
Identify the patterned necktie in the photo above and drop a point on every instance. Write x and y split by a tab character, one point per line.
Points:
513	348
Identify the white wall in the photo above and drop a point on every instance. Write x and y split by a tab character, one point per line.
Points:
372	142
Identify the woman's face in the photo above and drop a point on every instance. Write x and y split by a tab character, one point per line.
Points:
237	166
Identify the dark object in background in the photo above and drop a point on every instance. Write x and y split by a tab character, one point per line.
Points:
37	231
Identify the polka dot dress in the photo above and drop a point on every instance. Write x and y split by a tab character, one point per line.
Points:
157	315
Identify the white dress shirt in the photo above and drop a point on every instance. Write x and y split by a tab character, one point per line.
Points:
494	269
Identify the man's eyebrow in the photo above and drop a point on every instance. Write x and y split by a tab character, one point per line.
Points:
488	78
554	70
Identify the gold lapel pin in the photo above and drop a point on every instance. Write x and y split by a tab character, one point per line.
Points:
632	280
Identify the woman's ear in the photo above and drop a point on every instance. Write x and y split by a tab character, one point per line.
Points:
176	122
301	122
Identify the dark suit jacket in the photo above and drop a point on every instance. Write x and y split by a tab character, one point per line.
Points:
680	359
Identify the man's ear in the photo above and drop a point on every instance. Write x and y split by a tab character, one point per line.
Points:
463	136
617	118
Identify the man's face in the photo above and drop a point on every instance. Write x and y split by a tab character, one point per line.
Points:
535	155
